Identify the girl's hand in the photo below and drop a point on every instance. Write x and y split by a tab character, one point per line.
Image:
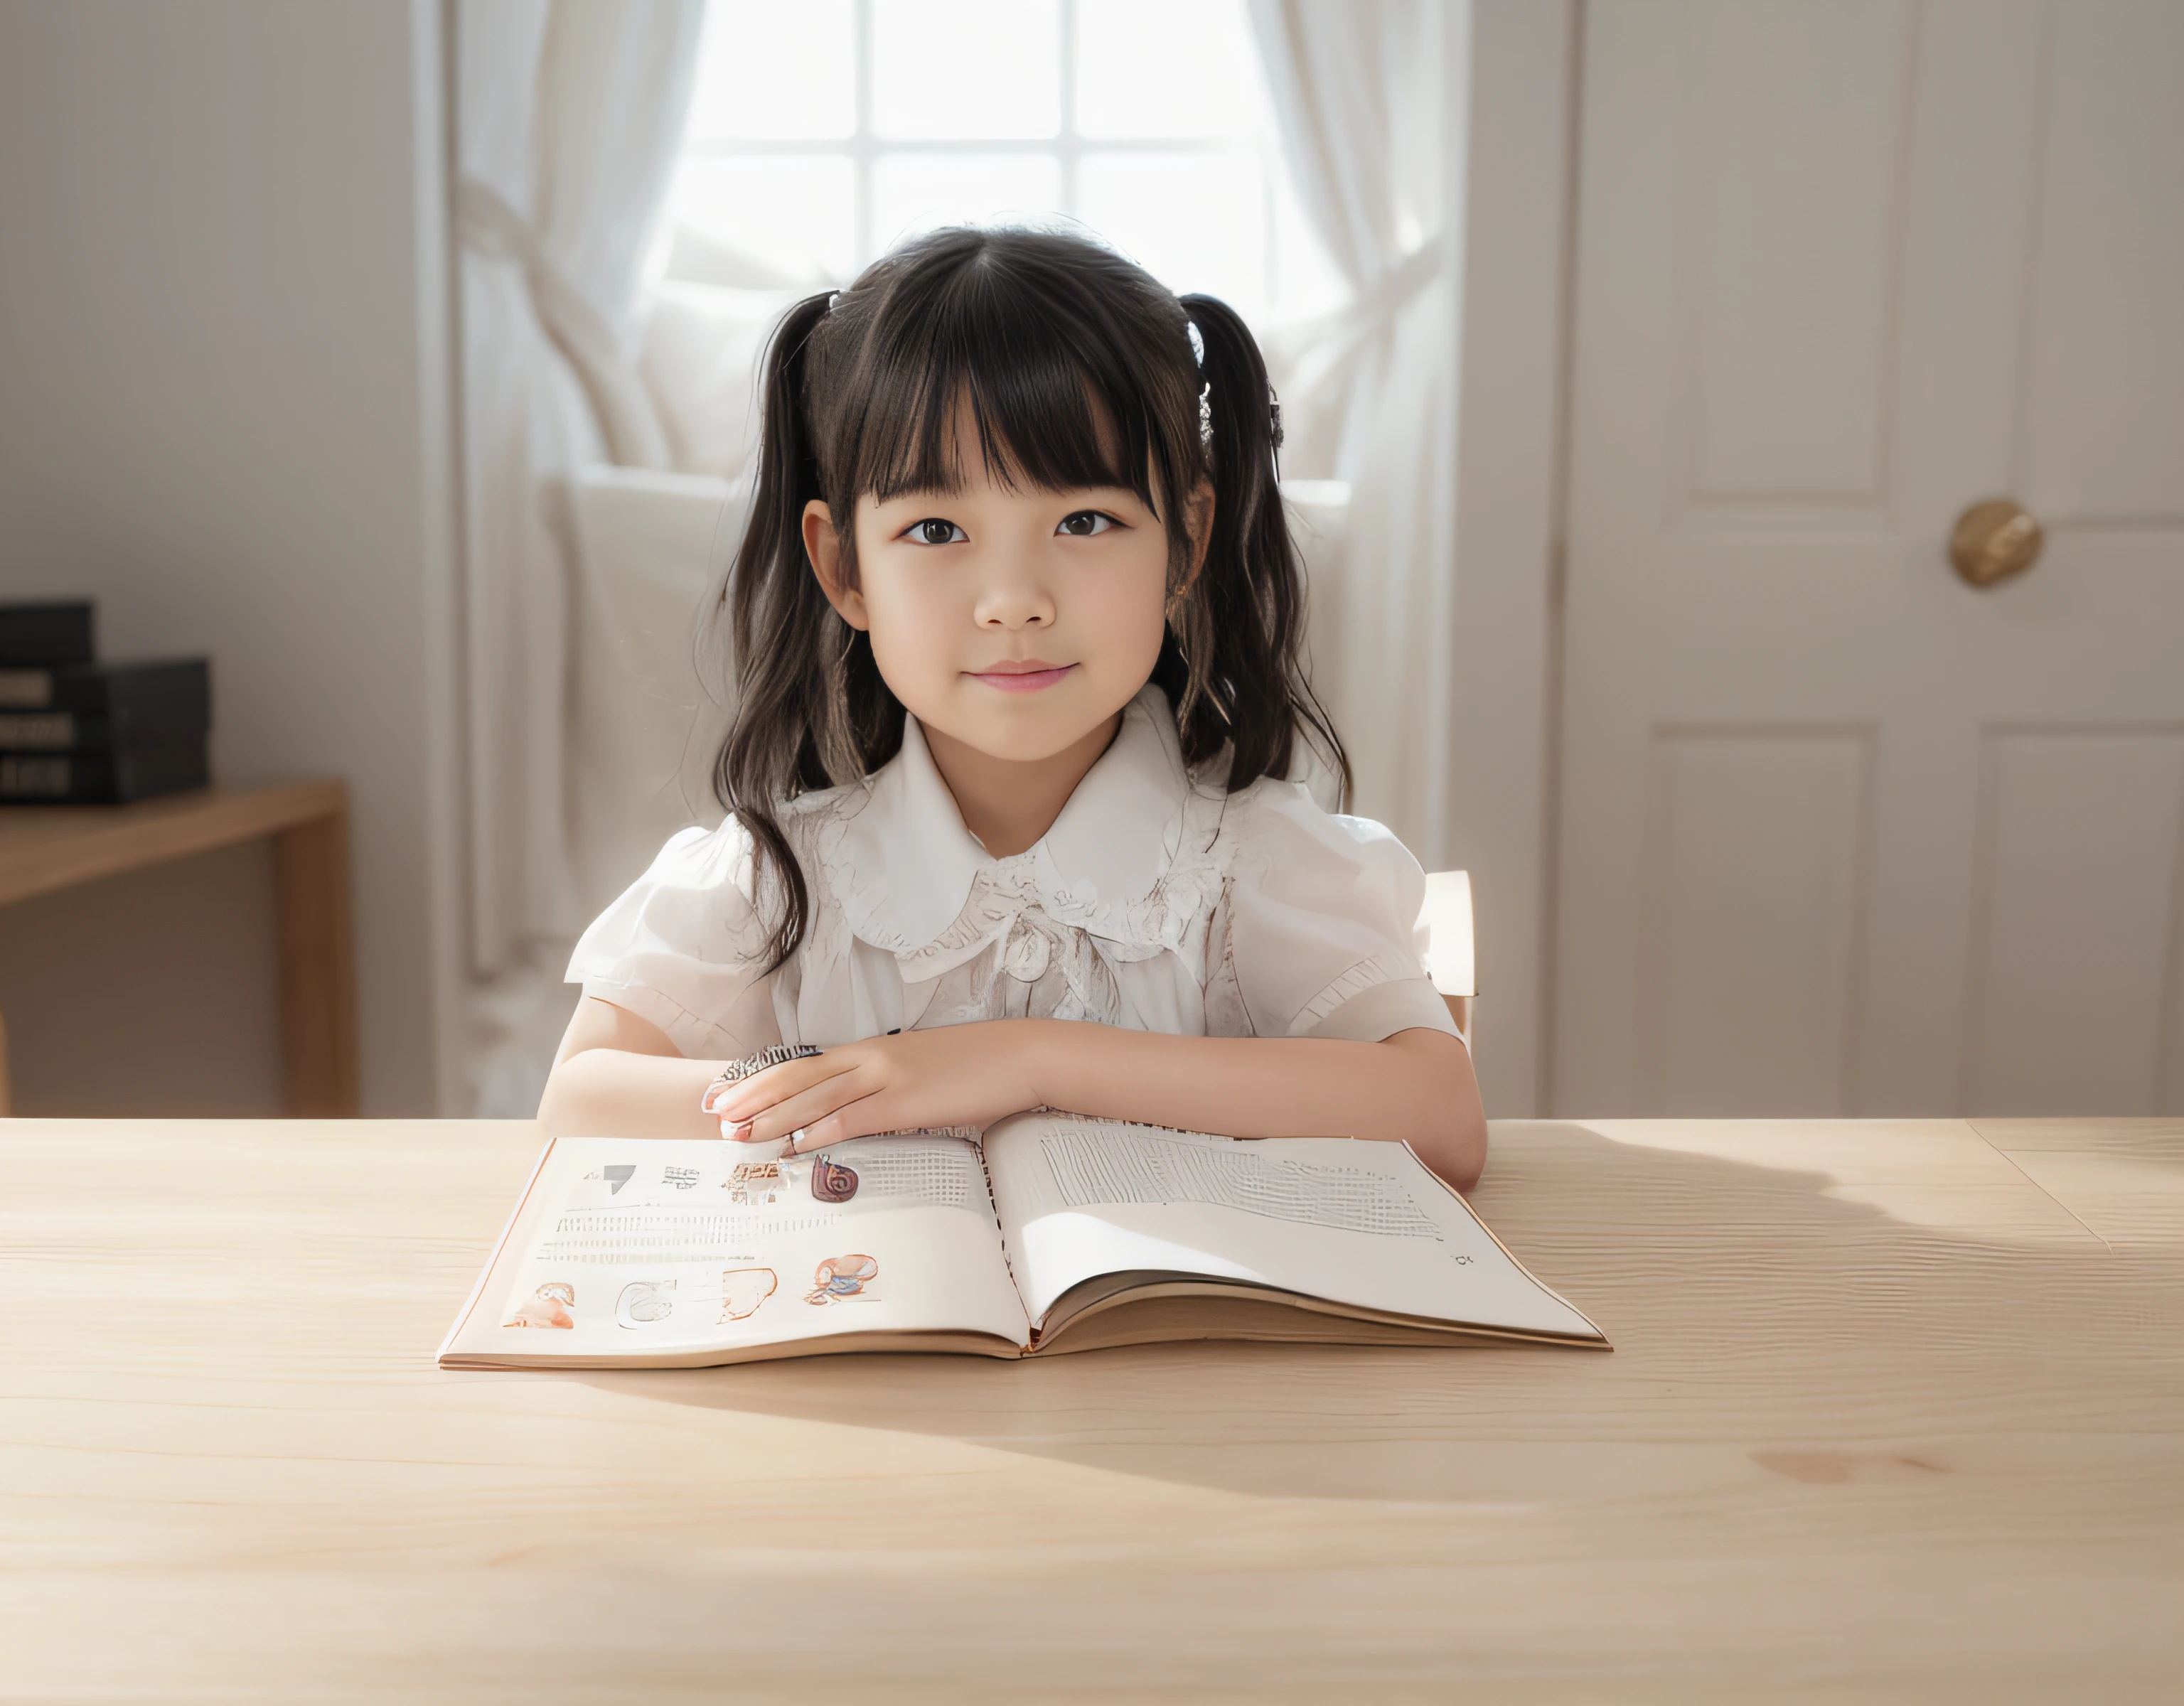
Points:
970	1074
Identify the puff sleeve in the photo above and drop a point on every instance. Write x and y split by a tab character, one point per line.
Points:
1323	935
684	947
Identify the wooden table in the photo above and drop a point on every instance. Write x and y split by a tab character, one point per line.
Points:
1896	1412
44	848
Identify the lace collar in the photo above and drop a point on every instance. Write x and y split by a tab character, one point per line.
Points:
905	870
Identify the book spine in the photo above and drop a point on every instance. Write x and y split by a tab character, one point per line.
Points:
26	689
100	777
39	731
173	697
127	704
57	632
986	1172
148	701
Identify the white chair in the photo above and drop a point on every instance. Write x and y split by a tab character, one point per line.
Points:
1447	918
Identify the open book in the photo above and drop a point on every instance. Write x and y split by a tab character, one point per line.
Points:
1057	1234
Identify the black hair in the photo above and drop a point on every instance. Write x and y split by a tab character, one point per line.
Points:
1078	370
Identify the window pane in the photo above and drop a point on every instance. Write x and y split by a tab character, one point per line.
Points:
966	68
794	212
914	192
1195	222
771	70
1166	68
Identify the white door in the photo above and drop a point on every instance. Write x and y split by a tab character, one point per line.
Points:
1840	833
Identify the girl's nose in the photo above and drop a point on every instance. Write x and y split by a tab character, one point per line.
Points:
1013	602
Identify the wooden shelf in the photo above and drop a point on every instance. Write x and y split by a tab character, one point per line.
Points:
44	849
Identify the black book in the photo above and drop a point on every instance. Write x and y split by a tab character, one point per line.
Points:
96	704
51	631
109	777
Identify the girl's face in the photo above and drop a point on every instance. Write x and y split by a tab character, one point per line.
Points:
1014	620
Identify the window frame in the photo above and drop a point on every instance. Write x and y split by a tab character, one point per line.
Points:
1067	146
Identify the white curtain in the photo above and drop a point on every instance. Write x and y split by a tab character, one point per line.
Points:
1361	92
571	115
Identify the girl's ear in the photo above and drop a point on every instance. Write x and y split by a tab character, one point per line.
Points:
824	546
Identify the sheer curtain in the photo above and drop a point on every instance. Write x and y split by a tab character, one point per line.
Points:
1361	91
569	118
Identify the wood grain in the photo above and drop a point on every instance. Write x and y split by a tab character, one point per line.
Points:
1886	1421
2123	1178
318	970
44	848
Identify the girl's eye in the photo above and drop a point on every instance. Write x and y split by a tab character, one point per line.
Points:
933	531
1085	523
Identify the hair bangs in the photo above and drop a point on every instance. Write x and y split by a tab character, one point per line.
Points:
983	361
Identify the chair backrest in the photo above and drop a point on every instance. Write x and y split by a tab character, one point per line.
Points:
1449	958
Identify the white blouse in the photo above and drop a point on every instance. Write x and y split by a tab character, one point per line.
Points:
1155	902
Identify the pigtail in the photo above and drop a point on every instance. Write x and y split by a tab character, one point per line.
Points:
779	621
1239	631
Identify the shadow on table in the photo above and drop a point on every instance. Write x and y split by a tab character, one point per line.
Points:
1833	1340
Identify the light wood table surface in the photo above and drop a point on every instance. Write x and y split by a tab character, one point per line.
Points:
1895	1413
44	848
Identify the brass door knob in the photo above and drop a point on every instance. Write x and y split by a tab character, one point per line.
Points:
1993	540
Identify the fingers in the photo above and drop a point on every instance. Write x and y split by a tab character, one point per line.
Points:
804	1109
740	1101
851	1090
866	1117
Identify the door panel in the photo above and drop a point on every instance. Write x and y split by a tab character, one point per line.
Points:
2104	341
1754	860
1843	269
1794	137
2082	837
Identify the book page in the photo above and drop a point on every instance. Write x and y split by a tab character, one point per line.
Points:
1355	1222
642	1249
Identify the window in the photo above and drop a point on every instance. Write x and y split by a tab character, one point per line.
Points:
824	130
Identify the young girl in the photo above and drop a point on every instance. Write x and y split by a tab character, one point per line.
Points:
1018	621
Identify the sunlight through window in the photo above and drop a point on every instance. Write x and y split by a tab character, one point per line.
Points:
824	132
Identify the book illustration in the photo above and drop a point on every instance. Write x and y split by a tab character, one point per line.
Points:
755	1183
547	1307
840	1278
831	1182
1089	1173
644	1303
893	1171
602	1184
898	1171
743	1289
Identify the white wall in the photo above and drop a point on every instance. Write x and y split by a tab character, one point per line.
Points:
224	413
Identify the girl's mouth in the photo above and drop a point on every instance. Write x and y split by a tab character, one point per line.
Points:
1023	675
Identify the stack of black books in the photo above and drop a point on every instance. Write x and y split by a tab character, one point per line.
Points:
73	730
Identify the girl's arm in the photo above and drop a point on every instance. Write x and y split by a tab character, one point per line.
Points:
1416	1086
617	1075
